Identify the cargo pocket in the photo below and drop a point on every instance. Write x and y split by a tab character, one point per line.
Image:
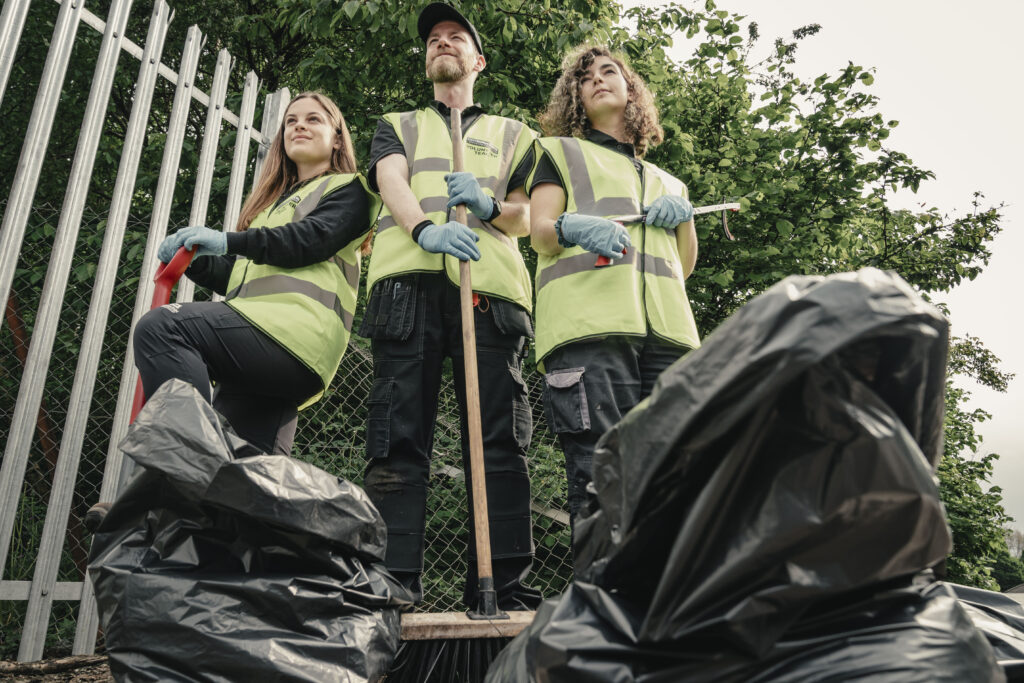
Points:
522	416
511	319
391	310
565	401
378	422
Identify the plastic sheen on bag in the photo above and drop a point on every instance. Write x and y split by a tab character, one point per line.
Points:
770	512
216	563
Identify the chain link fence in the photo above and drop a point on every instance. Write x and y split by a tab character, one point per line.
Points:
330	434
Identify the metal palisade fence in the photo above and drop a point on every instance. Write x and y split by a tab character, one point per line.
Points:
76	264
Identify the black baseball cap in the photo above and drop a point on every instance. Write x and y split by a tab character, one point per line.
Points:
436	12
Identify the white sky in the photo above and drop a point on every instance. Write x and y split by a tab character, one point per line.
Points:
949	73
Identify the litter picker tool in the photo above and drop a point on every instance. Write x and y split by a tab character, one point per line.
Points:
167	275
640	217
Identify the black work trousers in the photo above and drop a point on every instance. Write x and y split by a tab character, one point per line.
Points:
588	387
259	383
414	322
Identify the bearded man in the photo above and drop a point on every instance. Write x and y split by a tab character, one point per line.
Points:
413	317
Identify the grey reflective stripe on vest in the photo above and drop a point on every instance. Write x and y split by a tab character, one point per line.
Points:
310	201
407	122
583	188
508	150
286	284
582	263
350	271
656	265
430	164
427	204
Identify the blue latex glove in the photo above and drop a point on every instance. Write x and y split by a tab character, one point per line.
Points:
210	242
463	188
595	234
168	248
669	211
450	238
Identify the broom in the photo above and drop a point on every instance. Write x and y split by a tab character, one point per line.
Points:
452	647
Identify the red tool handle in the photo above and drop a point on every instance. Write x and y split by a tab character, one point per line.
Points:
167	274
604	260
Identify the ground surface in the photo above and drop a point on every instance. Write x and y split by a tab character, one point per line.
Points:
90	669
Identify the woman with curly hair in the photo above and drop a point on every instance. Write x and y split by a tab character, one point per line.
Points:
615	242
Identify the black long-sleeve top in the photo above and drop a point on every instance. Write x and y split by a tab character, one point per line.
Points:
339	218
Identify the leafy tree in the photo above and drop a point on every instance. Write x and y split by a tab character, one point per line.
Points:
1008	571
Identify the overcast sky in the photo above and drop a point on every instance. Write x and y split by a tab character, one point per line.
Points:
949	72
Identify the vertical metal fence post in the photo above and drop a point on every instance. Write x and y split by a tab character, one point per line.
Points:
273	112
12	23
26	179
12	471
207	156
45	331
106	273
240	159
157	229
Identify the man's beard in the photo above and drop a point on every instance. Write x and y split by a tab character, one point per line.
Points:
442	70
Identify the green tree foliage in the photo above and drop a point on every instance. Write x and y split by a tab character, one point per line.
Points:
1008	571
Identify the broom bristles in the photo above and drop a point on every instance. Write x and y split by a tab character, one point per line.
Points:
459	660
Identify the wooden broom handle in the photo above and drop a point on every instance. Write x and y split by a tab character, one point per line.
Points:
476	443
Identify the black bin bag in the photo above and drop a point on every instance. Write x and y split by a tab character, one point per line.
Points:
770	512
219	564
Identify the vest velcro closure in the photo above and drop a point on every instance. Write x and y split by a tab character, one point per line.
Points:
286	284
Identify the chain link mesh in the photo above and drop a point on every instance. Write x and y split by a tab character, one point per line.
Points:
330	434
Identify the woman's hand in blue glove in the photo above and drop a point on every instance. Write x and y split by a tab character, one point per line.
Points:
463	188
450	238
595	234
668	211
210	242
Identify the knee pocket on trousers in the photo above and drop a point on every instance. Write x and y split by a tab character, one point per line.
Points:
378	421
522	415
565	401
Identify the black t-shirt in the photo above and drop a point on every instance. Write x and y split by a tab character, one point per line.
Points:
547	172
386	142
338	219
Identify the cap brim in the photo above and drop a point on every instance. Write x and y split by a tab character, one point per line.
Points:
436	12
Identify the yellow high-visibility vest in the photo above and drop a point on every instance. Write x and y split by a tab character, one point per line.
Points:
643	292
308	310
494	146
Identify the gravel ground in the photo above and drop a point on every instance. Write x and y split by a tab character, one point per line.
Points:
89	669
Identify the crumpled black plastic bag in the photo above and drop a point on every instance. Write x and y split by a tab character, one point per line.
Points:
770	512
1001	618
214	564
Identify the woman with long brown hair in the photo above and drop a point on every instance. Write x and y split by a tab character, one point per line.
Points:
289	274
615	241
